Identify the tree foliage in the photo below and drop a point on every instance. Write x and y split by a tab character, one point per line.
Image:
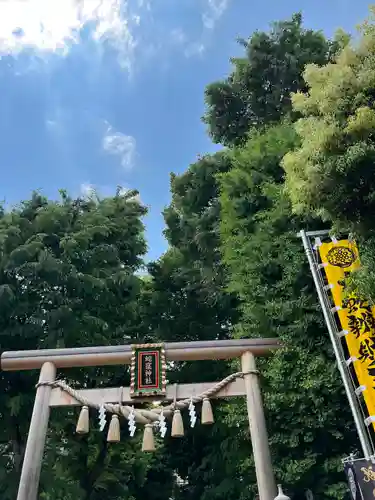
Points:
67	279
234	268
331	174
303	396
187	300
257	91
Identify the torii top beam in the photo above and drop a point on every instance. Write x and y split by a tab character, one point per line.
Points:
121	354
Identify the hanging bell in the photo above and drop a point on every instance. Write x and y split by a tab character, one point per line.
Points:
114	430
148	443
83	421
177	424
207	417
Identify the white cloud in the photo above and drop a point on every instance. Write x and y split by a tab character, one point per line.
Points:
144	4
178	36
56	117
214	10
124	146
195	49
49	26
54	26
51	124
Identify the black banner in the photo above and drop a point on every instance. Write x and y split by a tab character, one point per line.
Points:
361	479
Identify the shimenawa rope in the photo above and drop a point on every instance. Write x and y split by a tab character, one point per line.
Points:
143	416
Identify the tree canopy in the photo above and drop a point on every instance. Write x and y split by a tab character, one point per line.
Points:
67	278
331	173
257	91
304	398
296	117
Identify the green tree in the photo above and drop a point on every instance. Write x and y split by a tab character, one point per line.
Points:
191	299
67	279
331	174
234	267
187	300
189	279
258	89
309	422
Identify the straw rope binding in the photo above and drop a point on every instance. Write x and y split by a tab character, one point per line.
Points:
143	416
149	418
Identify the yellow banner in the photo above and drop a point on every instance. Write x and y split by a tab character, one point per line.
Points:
356	316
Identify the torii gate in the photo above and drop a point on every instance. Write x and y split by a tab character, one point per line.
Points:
48	396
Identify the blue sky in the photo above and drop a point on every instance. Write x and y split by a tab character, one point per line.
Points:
100	93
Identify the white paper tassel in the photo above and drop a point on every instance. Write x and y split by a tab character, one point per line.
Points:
193	415
131	422
102	418
162	424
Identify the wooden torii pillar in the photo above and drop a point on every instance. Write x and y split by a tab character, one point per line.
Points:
49	360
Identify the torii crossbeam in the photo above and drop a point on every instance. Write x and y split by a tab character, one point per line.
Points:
49	360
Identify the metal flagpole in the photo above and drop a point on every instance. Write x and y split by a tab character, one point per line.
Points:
349	389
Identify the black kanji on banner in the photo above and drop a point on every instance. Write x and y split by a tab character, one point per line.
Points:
361	479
